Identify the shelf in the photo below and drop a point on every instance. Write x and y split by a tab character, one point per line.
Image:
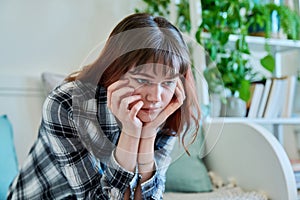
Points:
258	43
278	45
266	121
276	123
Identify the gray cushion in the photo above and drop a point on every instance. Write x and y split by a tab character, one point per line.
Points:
52	80
188	173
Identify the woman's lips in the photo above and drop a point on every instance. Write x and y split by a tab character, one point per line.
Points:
150	110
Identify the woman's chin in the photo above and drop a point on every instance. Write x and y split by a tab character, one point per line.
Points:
146	118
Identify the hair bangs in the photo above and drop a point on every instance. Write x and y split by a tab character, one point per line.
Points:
173	62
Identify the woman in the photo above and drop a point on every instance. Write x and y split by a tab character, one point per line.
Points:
108	131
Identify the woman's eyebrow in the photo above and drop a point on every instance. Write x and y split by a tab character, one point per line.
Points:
143	74
150	76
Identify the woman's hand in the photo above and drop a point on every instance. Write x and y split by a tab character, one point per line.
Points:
150	129
125	106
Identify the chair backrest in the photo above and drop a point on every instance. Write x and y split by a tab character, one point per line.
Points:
252	156
8	158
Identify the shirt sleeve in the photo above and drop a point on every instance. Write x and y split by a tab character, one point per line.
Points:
74	160
117	168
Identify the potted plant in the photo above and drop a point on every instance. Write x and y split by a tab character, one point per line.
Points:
221	19
162	8
263	17
262	20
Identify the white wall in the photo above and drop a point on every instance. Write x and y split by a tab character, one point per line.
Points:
38	36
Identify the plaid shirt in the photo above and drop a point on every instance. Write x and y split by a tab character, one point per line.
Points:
73	157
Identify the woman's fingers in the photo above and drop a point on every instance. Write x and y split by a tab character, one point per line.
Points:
126	101
114	87
135	109
180	96
116	93
119	95
124	105
179	91
170	109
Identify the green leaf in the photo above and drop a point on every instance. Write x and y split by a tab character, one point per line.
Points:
244	90
214	52
224	38
268	62
198	35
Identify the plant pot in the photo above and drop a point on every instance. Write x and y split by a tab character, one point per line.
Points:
215	105
234	107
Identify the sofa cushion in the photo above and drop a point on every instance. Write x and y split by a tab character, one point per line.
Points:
51	80
188	173
8	158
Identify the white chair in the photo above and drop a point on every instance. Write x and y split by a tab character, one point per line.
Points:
251	155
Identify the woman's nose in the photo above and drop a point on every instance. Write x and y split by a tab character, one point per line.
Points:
154	93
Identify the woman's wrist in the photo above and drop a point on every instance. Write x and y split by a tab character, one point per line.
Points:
145	158
146	167
148	133
134	132
151	162
125	158
127	150
129	142
131	135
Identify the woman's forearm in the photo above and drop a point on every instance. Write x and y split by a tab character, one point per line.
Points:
126	154
127	150
145	162
145	158
133	151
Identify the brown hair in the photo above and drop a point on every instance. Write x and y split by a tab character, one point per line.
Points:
136	40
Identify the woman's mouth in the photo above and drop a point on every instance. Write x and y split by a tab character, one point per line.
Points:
149	110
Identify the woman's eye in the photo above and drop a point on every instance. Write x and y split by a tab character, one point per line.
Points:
142	81
169	83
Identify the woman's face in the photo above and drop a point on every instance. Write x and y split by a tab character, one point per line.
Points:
156	84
